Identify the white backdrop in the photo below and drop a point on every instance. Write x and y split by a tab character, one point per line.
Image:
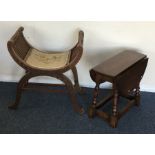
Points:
102	40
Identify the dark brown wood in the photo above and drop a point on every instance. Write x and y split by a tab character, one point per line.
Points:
113	119
19	47
137	95
126	109
120	61
103	115
96	91
125	72
103	101
91	111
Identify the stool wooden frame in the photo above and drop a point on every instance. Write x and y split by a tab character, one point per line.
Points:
18	47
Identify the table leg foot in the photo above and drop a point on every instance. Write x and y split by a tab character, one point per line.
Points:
113	121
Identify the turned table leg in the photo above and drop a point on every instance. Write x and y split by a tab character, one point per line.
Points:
137	96
92	108
114	116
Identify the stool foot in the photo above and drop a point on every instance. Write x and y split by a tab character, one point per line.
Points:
13	106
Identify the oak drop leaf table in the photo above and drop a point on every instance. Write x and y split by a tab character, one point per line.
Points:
125	71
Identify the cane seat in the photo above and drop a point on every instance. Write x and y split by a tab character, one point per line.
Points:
43	63
47	60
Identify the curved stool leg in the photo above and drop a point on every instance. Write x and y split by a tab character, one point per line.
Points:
76	81
20	86
77	108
